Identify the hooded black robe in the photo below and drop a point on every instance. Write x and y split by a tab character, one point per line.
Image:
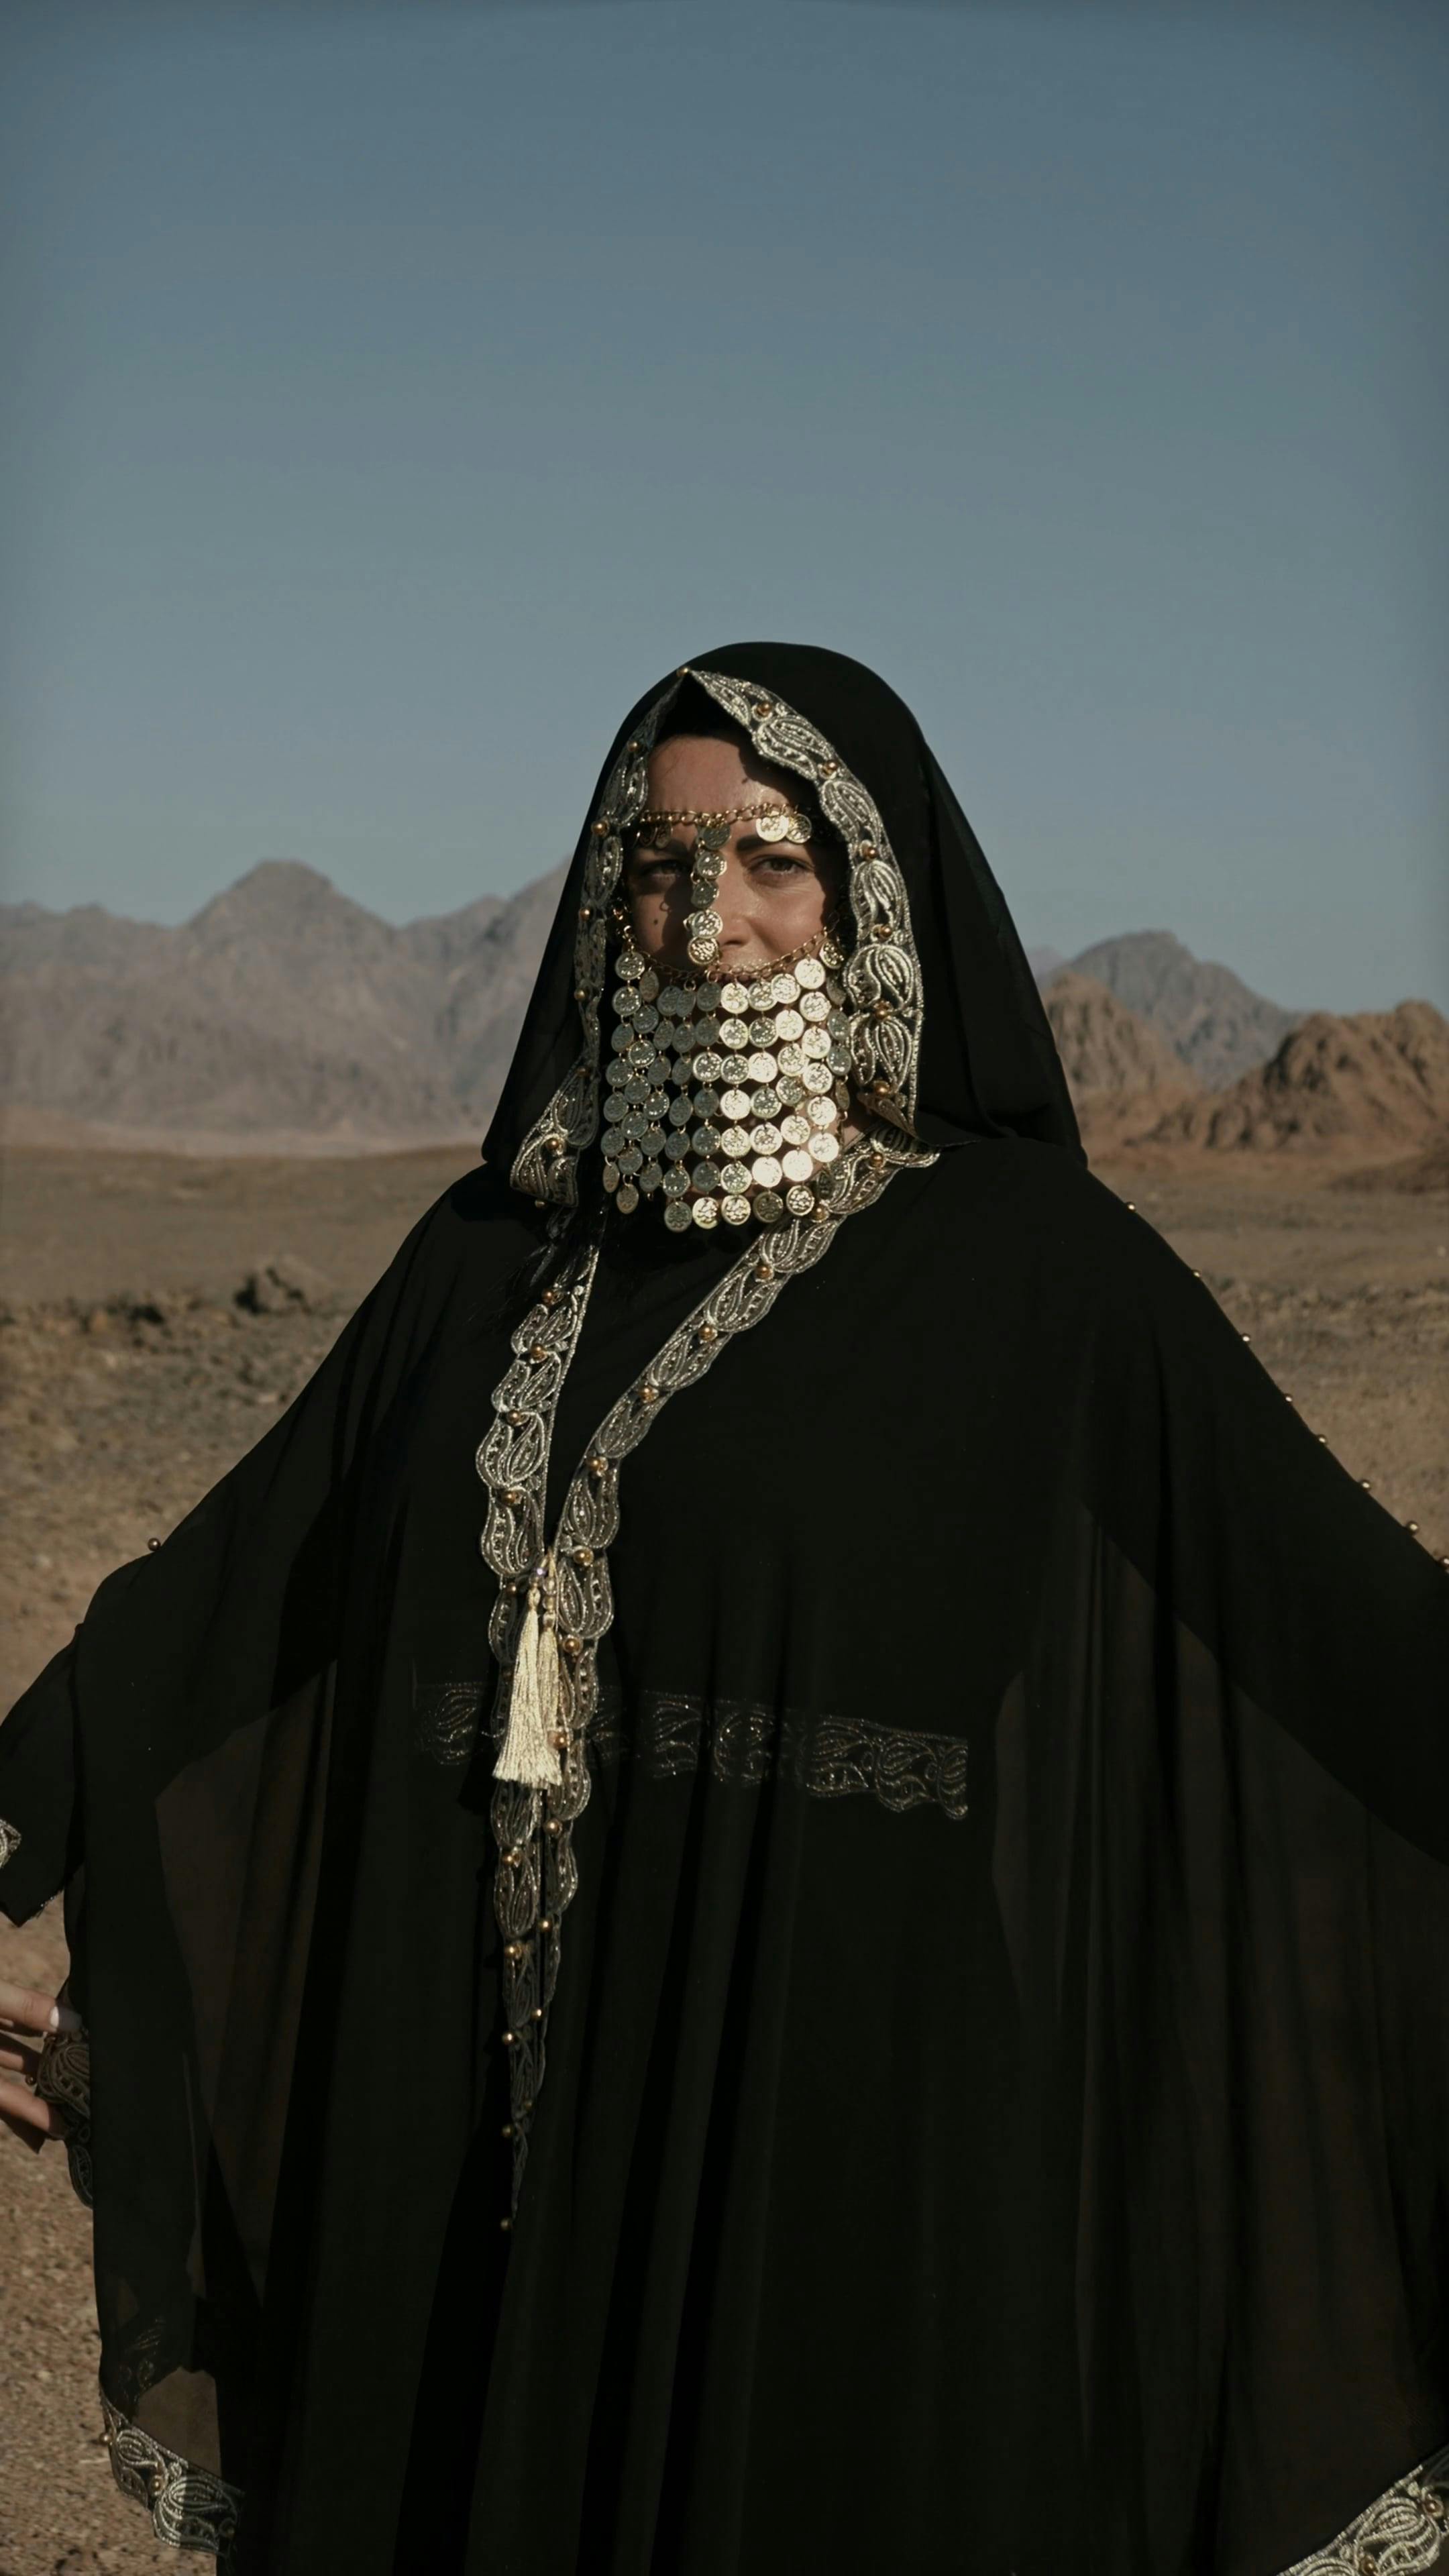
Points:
995	2110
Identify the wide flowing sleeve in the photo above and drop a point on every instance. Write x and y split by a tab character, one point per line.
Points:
233	1613
1220	1842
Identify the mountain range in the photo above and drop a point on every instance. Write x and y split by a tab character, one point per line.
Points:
284	1011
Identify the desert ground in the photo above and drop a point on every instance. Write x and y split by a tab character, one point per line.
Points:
158	1308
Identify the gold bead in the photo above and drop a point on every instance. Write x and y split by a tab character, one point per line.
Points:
1363	1480
631	746
553	1826
511	1859
598	1466
1197	1274
515	1417
1444	1560
559	1738
882	1010
881	1088
572	1645
507	2226
507	2129
514	1950
764	1270
509	2038
1132	1207
831	769
512	1496
537	1352
550	1297
1323	1440
1413	1528
1287	1399
761	707
683	671
880	930
708	1333
583	1556
865	849
537	2013
555	1145
649	1395
877	1159
153	1544
581	992
1246	1337
545	1922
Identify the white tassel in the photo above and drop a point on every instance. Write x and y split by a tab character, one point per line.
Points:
535	1702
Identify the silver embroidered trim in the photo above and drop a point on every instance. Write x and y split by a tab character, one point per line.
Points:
190	2508
9	1841
536	1875
671	1735
64	2077
1400	2534
883	971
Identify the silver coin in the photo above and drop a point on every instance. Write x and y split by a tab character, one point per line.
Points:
795	1131
708	1067
626	1001
839	1026
705	1212
636	1091
676	1146
735	1141
646	1018
762	1033
788	1024
809	974
657	1104
797	1164
706	1103
763	1068
611	1175
787	989
682	1037
614	1142
735	998
813	1045
708	1138
816	1079
814	1006
838	1059
822	1111
676	1182
735	1068
671	1001
735	1210
622	1037
677	1216
651	1176
616	1073
791	1089
735	1176
765	1103
628	1198
631	1160
768	1207
790	1059
634	1125
765	1139
706	1179
631	965
733	1034
799	1200
824	1147
648	985
735	1104
765	1172
680	1112
652	1139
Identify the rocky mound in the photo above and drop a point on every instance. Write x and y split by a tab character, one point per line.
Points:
1122	1076
1210	1018
1376	1083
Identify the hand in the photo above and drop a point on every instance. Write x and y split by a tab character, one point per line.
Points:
21	2108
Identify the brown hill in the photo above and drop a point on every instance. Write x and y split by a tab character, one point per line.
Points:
1123	1077
1375	1083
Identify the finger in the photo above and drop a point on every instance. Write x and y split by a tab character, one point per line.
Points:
17	2054
18	2103
34	2139
35	2011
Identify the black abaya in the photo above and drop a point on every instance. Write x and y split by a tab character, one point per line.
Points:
995	2111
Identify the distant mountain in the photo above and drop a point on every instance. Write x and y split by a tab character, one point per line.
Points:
1218	1026
1119	1071
280	1007
1377	1081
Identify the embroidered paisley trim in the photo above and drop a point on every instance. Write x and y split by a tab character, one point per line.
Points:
9	1841
536	1875
190	2508
64	2077
1400	2534
670	1735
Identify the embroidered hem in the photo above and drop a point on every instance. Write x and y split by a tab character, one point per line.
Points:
189	2508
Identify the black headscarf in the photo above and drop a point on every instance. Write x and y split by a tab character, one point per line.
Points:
990	2103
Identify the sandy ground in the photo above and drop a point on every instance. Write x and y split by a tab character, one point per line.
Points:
132	1379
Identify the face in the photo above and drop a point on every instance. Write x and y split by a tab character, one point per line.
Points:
773	895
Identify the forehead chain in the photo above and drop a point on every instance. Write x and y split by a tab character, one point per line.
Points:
774	822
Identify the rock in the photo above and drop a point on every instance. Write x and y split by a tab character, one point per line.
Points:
281	1284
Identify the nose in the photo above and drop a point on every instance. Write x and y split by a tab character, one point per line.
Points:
738	933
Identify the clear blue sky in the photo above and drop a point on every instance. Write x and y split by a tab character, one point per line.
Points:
391	392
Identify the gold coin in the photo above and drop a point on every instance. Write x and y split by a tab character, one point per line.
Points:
648	985
799	1200
705	1212
763	1068
788	1024
734	1035
611	1176
735	1211
822	1111
813	1045
735	1141
816	1079
809	974
766	1172
735	998
787	990
824	1147
796	1165
791	1089
814	1006
790	1059
735	1176
628	1198
735	1104
796	1131
765	1139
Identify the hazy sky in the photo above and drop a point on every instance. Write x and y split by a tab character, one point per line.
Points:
392	392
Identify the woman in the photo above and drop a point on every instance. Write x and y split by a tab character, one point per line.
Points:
858	1983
